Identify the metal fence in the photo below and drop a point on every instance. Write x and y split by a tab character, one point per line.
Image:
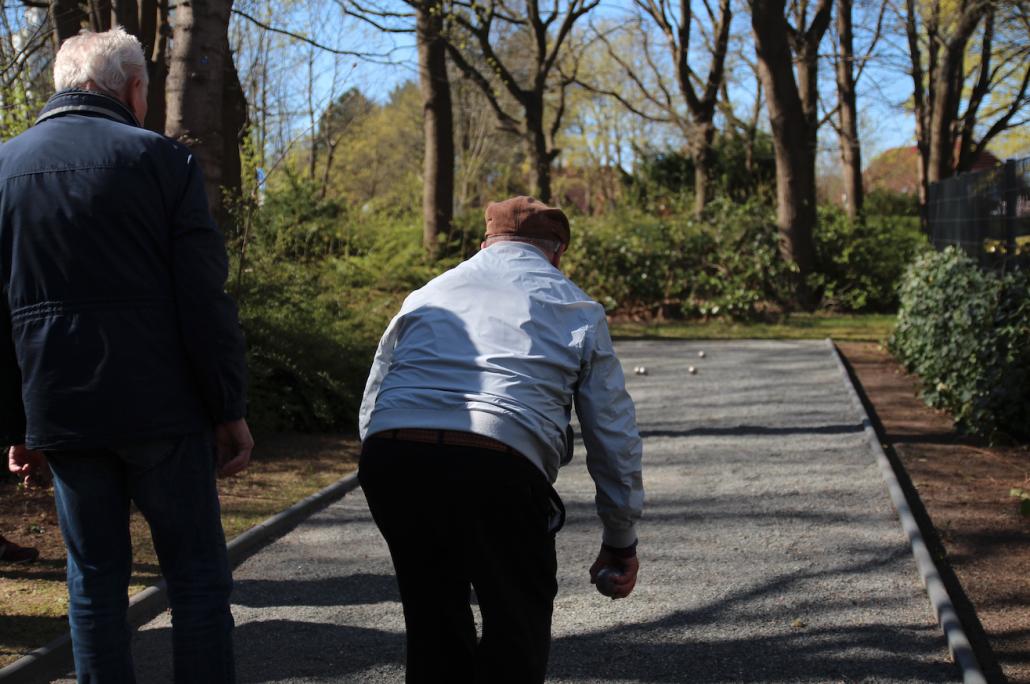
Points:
986	213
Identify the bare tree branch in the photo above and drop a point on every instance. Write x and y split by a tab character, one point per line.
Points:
305	39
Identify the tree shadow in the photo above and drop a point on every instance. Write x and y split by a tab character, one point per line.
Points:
667	650
285	650
352	590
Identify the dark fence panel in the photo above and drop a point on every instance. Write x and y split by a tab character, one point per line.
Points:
986	213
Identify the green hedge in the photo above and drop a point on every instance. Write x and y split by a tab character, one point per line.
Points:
727	264
966	334
320	281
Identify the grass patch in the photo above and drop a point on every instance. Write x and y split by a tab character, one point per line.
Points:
843	328
34	599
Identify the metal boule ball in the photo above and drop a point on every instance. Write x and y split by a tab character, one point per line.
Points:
643	370
701	354
692	370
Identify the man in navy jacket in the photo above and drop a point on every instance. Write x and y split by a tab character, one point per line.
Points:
121	355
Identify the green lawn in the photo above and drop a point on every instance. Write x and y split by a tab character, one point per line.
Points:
842	328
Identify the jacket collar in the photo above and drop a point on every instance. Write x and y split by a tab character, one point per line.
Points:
72	101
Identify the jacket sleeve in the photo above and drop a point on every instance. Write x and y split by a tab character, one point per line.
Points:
608	421
12	411
376	375
208	319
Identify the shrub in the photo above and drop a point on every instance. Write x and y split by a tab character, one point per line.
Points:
883	202
860	263
964	332
636	263
317	288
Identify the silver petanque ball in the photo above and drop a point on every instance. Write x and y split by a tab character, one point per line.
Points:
692	370
701	354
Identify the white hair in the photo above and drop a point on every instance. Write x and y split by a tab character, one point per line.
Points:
108	60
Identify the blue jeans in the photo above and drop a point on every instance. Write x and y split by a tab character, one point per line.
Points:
172	483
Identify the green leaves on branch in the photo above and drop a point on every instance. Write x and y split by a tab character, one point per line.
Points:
966	334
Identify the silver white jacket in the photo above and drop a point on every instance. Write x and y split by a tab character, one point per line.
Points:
502	345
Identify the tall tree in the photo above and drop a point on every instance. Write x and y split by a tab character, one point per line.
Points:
794	117
197	91
546	35
965	95
848	70
438	124
676	26
437	110
847	129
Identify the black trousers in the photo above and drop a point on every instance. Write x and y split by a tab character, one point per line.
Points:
456	517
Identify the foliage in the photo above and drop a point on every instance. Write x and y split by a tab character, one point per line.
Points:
884	202
861	262
664	180
727	264
964	332
634	262
317	286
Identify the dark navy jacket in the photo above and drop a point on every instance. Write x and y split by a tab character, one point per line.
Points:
114	323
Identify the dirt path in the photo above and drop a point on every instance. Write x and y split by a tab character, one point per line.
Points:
964	486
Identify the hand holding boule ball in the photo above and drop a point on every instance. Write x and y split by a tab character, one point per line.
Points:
605	580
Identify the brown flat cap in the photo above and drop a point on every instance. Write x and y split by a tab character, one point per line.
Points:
527	217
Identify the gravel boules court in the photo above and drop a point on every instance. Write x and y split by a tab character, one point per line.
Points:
769	549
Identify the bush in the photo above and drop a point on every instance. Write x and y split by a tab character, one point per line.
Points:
964	332
860	263
882	202
639	264
663	181
317	288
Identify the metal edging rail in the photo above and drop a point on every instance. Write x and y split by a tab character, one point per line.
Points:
55	659
940	600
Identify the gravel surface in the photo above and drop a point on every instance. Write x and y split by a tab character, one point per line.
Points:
769	550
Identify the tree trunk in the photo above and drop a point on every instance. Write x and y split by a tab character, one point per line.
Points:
704	135
438	126
536	146
100	15
67	17
196	88
155	29
792	142
126	14
234	126
850	149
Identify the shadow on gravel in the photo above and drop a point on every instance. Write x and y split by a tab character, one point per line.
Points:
752	634
743	430
287	650
352	590
869	652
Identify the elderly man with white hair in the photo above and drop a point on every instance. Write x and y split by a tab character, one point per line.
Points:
121	358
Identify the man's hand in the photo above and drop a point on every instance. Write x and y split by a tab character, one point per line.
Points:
234	444
623	583
29	465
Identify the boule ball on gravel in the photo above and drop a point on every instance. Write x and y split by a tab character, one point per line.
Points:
701	354
692	370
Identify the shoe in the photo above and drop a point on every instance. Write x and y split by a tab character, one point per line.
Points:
13	553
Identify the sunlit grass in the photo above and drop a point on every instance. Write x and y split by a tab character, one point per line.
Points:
844	328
